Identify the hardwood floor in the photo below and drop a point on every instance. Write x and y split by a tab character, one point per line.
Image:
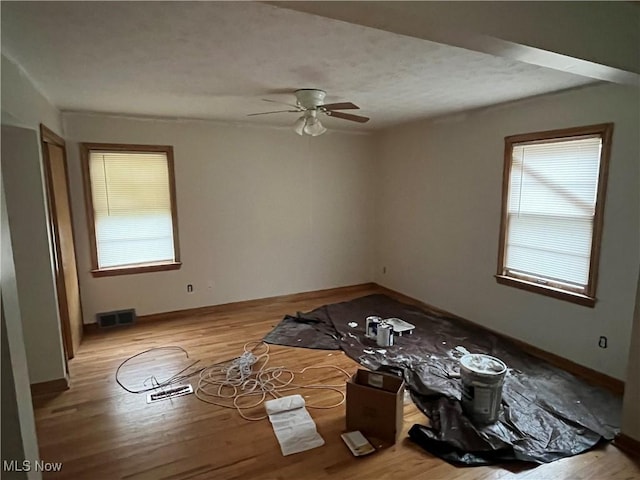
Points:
99	431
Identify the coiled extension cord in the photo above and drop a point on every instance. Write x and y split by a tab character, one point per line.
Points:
246	382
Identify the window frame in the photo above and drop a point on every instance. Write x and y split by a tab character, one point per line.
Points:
96	271
552	289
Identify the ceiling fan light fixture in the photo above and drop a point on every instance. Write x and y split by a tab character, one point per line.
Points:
308	124
314	127
298	127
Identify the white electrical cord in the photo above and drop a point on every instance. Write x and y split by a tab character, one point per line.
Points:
245	382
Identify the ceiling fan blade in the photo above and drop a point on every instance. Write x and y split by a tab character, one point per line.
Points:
348	116
282	103
277	111
340	106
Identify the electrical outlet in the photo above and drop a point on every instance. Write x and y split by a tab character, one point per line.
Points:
189	288
602	342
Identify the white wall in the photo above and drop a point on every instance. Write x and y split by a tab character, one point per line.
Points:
23	105
438	216
31	253
631	409
19	440
261	212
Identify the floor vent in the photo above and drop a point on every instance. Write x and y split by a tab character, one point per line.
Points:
114	319
169	393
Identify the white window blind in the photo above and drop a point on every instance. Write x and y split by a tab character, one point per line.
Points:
132	208
551	207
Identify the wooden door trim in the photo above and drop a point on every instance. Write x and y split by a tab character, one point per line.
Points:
48	137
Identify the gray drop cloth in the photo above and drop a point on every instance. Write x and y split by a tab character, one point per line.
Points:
311	330
546	413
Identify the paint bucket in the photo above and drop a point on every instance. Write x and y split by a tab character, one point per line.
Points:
482	379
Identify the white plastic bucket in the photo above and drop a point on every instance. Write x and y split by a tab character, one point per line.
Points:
482	379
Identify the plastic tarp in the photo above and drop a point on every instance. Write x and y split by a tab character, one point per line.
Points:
546	413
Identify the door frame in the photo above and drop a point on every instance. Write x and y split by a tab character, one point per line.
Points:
48	137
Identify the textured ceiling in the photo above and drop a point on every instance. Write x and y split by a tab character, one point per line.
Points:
216	60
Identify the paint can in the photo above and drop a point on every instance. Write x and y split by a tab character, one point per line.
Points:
482	379
371	327
384	337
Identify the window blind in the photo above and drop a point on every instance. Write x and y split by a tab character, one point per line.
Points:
132	208
551	208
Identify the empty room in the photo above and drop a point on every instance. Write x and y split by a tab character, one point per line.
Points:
275	240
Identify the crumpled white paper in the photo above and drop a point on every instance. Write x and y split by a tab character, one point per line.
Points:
294	428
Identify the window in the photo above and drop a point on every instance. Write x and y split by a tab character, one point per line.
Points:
552	205
131	208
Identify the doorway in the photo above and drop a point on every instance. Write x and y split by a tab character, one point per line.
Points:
61	222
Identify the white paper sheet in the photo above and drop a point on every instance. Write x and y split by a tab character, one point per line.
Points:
292	424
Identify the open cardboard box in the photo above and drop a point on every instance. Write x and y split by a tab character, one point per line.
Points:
375	405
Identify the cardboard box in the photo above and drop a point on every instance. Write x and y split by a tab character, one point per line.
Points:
375	405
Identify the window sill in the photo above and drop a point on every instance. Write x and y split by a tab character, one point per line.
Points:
132	270
578	298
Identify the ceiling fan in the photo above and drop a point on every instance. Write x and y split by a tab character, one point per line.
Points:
309	102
